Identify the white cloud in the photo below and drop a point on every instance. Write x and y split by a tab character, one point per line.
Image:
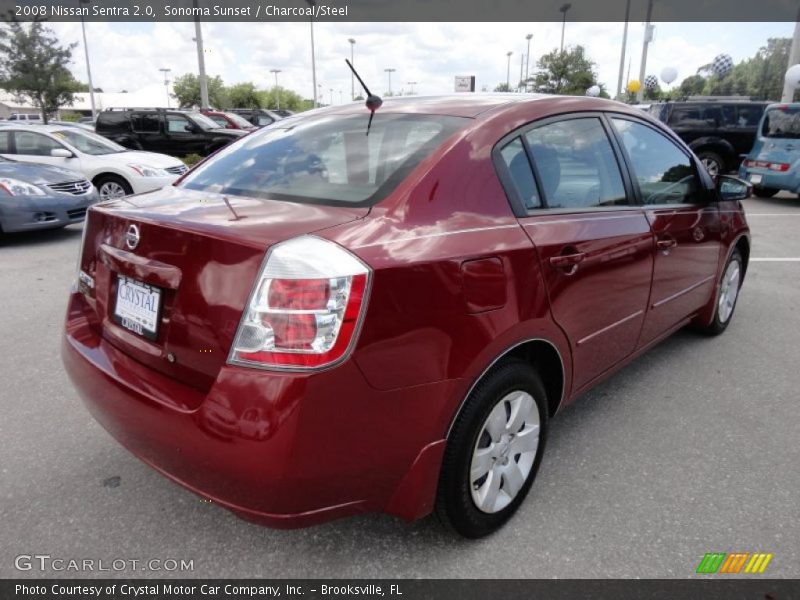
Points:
128	56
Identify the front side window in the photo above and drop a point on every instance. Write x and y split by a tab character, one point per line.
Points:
34	144
220	121
576	164
88	142
5	142
264	120
178	124
326	160
665	174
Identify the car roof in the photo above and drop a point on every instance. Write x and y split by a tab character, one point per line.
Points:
40	128
483	105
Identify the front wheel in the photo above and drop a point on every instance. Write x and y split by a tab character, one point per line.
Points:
112	187
728	293
493	451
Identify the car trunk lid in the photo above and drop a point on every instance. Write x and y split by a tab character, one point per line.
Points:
194	263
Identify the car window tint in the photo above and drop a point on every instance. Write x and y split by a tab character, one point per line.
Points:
34	144
264	120
178	124
5	142
729	118
519	168
665	174
145	123
576	164
749	116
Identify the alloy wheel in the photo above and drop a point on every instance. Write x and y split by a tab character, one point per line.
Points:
728	292
111	190
711	165
504	452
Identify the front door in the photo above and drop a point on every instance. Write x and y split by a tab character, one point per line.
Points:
36	147
685	224
184	137
594	245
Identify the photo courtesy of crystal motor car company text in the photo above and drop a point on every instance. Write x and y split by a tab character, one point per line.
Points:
371	307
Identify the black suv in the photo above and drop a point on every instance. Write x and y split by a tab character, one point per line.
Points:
174	132
261	117
718	130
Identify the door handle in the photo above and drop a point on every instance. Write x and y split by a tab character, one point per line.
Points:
666	245
567	262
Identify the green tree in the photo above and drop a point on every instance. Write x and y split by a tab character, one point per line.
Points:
244	95
34	67
502	87
186	90
289	100
570	72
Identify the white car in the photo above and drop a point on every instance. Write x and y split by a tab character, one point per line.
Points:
113	169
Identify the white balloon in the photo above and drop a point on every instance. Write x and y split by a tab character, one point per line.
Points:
792	76
593	91
669	74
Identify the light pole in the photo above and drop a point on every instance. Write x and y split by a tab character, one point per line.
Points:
648	37
528	60
312	4
563	10
508	71
352	77
390	71
166	73
88	68
277	89
624	47
201	62
412	84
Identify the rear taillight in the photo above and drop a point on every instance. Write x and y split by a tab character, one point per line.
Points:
305	309
765	164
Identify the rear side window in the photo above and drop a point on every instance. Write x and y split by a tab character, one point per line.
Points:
516	160
112	120
326	160
145	123
576	165
665	174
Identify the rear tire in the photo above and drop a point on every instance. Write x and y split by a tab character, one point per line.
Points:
727	295
493	451
763	192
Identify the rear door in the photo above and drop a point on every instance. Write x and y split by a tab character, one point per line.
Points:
594	245
148	130
684	219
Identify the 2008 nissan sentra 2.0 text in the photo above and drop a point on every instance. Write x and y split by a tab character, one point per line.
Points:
344	323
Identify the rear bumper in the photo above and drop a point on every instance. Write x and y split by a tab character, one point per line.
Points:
787	180
282	449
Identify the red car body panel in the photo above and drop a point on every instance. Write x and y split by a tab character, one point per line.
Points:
457	282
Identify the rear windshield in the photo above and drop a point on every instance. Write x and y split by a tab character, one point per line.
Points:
326	160
782	122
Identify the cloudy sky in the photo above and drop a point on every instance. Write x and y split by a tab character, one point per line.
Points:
128	56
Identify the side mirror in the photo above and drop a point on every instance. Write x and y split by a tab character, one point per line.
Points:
733	188
61	153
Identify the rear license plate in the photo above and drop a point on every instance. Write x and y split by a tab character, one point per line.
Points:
755	178
138	306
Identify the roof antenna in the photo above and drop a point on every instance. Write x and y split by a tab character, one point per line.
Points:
373	102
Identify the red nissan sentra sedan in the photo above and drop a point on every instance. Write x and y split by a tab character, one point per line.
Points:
316	322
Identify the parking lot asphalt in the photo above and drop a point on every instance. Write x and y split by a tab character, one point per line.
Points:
692	448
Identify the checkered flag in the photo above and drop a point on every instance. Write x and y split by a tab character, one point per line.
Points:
651	82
